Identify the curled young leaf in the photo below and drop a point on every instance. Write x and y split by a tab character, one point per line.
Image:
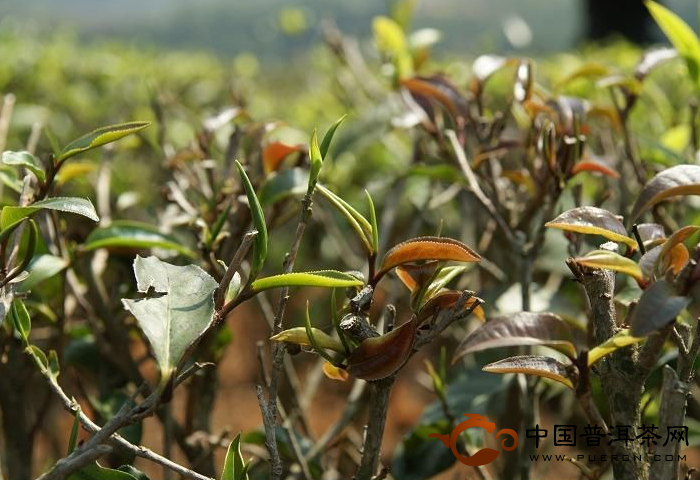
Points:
99	137
617	341
25	159
676	240
380	357
536	365
605	259
298	336
672	182
523	328
658	305
427	248
359	223
316	160
320	278
593	221
414	277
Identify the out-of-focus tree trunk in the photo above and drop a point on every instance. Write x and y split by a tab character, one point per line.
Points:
627	18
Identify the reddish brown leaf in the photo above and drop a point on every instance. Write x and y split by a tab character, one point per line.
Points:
415	276
427	248
438	90
594	166
444	301
672	182
274	153
379	357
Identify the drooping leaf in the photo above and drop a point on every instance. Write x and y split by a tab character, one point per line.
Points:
25	159
284	184
261	240
42	267
234	466
176	319
683	38
594	166
297	335
380	357
621	339
593	221
328	137
672	182
320	278
535	365
427	248
524	328
274	153
605	259
131	234
80	206
658	305
99	137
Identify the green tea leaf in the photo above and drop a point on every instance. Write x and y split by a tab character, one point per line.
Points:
358	222
318	348
95	472
316	160
260	251
73	439
21	319
99	137
682	37
373	223
320	278
130	234
42	267
605	259
25	159
79	206
328	137
234	466
176	319
300	336
617	341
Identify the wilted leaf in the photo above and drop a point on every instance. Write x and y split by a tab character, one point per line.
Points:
173	321
681	36
523	328
100	137
130	234
658	305
672	182
594	166
617	341
78	206
334	373
261	239
297	335
274	153
535	365
607	260
320	278
427	248
234	466
379	357
25	159
593	221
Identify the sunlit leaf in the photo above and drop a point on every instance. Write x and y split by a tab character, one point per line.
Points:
658	305
42	267
621	339
672	182
523	328
682	37
486	65
130	234
298	336
359	223
178	315
380	357
677	258
535	365
605	259
261	239
427	248
321	278
73	170
593	221
675	240
234	466
99	137
78	206
25	159
444	277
